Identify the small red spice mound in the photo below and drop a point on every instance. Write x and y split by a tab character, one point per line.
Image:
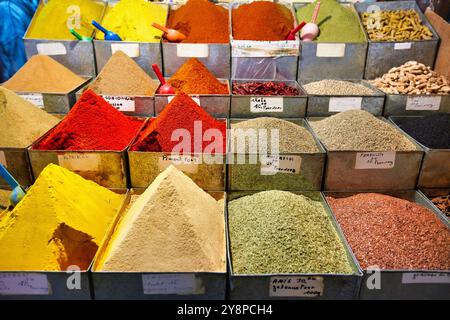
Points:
180	113
92	124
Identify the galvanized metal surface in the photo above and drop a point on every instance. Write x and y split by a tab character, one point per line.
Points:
382	56
18	164
396	105
293	106
319	105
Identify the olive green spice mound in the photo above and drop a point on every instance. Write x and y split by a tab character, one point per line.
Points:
281	232
358	130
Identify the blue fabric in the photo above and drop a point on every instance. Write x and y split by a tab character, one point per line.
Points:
15	18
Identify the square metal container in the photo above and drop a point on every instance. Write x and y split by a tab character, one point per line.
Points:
74	54
415	105
384	55
130	285
215	56
433	192
258	59
435	169
248	177
341	174
291	106
320	105
406	284
345	60
18	164
217	105
258	286
143	53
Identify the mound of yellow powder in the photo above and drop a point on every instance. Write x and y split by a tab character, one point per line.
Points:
60	222
57	17
132	20
174	226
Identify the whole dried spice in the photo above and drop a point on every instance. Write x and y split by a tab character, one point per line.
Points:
337	88
268	88
281	232
92	124
412	78
393	233
194	78
201	21
443	203
262	20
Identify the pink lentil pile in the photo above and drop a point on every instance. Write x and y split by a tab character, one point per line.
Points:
393	233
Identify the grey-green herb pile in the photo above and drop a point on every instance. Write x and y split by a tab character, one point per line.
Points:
281	232
337	88
358	130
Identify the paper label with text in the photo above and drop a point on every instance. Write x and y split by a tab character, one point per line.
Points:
79	161
330	50
185	163
51	49
130	49
195	98
192	50
375	160
35	98
296	286
266	104
250	48
3	159
423	103
344	104
23	284
180	283
280	164
425	277
121	103
403	46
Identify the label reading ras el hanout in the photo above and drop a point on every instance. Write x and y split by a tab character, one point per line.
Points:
375	160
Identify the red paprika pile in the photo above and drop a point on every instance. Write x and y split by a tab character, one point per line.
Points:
262	20
194	78
92	124
201	21
180	113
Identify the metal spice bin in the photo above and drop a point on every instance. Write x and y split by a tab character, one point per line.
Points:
217	105
215	56
289	106
406	284
143	53
130	285
76	55
415	105
248	176
258	286
280	57
18	164
141	106
320	105
384	55
341	174
50	285
434	192
435	169
344	60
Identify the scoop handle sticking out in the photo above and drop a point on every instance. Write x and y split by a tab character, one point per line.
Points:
170	34
18	193
79	36
109	35
165	87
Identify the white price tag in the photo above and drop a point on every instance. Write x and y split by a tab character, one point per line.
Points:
196	99
23	284
3	159
330	50
375	160
130	49
121	103
185	163
35	98
180	284
344	104
280	164
79	161
266	104
423	103
425	277
402	46
51	49
296	286
192	50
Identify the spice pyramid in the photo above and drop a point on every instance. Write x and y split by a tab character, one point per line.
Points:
174	226
60	222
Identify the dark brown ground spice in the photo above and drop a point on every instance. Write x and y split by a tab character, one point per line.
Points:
443	203
393	233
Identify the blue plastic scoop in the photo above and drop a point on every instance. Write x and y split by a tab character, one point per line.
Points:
109	35
17	193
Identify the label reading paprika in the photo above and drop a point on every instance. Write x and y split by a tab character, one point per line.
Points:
423	103
425	277
296	286
23	284
280	164
185	163
79	161
375	160
344	104
266	104
35	98
121	103
3	159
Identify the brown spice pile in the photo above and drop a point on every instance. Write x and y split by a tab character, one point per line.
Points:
393	233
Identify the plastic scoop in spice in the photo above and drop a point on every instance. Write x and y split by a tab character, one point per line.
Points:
109	35
293	32
170	34
79	36
165	87
311	30
18	193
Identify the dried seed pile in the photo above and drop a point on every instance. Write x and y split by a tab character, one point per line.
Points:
269	88
412	78
337	88
443	203
395	25
393	233
358	130
281	232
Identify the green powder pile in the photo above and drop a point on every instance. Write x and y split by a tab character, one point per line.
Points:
337	23
281	232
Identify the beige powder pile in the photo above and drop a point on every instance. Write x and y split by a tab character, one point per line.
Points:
174	226
21	122
122	76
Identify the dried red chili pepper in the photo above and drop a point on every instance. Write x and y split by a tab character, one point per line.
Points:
268	88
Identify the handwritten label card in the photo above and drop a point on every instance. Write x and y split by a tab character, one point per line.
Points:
192	50
280	164
425	277
180	283
296	286
51	49
185	163
79	161
375	160
344	104
23	284
35	98
266	104
3	159
423	103
130	49
121	103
